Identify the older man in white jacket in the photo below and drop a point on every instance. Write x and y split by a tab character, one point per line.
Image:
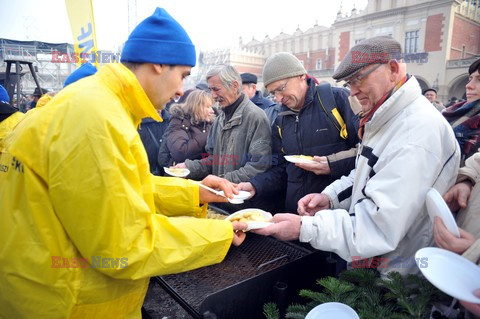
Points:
378	211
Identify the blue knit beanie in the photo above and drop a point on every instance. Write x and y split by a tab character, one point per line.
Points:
159	39
83	71
4	95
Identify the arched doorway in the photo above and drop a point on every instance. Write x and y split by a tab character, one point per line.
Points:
422	82
457	87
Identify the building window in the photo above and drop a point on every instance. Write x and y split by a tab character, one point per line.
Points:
318	65
411	42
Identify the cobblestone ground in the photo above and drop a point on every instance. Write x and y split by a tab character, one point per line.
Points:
159	304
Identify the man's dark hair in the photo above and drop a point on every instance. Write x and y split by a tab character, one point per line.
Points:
474	67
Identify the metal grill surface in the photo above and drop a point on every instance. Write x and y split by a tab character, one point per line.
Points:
257	255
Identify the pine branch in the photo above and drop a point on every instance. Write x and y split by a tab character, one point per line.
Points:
360	277
293	315
335	287
271	311
297	311
317	297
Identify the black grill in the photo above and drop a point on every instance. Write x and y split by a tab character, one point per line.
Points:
256	272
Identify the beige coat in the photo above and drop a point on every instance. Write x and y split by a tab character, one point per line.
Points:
469	218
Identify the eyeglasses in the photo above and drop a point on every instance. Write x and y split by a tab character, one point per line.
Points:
280	89
356	81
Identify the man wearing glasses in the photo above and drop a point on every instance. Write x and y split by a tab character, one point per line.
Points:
303	127
407	148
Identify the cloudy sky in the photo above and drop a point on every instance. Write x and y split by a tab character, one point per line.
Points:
211	24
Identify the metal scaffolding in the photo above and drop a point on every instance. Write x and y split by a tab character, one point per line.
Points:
51	72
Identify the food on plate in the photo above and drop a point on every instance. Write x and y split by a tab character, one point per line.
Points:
211	214
305	157
251	216
175	170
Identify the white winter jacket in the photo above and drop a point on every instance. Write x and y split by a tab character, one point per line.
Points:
379	209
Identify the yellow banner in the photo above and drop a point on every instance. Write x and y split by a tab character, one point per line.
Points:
80	13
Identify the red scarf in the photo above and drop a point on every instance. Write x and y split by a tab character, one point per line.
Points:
364	118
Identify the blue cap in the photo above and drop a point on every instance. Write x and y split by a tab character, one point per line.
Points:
159	39
83	71
4	95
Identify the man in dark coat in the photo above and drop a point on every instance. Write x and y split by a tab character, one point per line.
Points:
37	94
303	127
151	132
249	85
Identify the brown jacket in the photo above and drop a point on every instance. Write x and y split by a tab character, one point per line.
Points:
184	139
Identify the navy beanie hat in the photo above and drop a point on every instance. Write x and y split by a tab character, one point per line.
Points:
4	95
159	39
85	70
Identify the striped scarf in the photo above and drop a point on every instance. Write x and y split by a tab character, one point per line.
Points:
465	120
364	118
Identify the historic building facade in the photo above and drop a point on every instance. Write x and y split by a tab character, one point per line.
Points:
440	39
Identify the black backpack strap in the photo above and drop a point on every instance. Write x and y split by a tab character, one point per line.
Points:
327	102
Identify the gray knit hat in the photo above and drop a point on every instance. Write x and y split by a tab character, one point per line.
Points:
370	51
282	65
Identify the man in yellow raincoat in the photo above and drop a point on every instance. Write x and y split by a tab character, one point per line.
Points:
9	116
83	224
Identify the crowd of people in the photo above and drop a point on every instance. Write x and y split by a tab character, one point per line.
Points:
81	173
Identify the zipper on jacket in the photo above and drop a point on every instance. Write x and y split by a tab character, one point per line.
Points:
297	133
303	173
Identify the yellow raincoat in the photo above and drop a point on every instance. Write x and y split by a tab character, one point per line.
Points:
8	124
81	231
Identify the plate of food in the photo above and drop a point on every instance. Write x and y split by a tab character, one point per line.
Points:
449	272
436	206
301	159
177	172
254	217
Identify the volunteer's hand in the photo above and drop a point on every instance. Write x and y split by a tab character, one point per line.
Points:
321	167
457	196
444	239
180	165
216	182
238	233
312	203
248	187
285	227
473	307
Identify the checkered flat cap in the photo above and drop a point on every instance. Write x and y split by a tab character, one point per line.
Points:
370	51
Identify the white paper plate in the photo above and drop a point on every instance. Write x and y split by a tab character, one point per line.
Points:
253	224
185	172
449	272
436	206
242	195
332	310
296	159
